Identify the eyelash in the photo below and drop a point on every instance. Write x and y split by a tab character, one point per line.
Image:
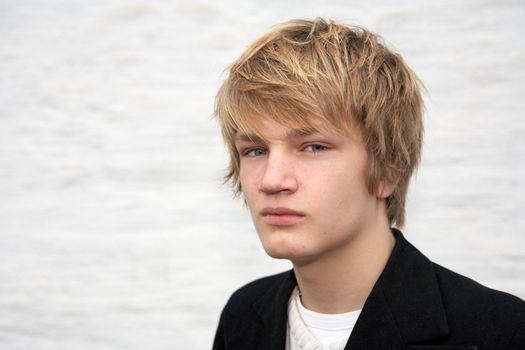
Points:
323	147
250	150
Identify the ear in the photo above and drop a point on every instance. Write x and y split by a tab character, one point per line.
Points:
385	189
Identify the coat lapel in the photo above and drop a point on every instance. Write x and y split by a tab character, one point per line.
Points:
405	305
272	308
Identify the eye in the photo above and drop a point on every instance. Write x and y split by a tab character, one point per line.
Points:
255	152
315	148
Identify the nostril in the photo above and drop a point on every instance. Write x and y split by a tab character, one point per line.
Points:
278	180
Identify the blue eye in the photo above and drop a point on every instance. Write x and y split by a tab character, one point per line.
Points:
256	152
314	148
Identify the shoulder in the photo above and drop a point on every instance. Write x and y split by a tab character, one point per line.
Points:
458	288
484	312
242	300
466	311
460	294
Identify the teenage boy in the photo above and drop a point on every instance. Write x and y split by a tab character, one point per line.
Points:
324	128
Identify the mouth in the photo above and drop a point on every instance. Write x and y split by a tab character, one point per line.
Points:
281	216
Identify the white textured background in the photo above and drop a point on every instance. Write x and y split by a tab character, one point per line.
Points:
115	232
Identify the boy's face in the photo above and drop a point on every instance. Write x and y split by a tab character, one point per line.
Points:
306	191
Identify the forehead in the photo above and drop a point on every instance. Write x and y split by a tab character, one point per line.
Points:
274	130
267	128
270	129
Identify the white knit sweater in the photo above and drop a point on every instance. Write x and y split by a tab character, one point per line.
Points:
299	336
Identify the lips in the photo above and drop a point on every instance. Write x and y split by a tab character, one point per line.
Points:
281	216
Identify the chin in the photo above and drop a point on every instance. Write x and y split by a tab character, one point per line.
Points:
283	242
296	258
278	255
283	248
276	250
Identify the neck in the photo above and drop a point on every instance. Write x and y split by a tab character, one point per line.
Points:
342	281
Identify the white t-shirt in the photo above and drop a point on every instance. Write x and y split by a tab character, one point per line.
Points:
309	330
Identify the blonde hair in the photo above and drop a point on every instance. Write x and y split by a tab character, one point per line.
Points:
312	73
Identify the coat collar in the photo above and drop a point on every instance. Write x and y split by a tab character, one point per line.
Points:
272	308
404	306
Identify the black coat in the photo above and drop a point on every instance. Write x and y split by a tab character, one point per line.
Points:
415	304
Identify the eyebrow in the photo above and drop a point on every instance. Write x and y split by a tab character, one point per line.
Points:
294	133
301	132
248	137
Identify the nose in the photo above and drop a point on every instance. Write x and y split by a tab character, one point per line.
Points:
279	175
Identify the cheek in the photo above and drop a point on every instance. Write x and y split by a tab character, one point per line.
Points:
249	186
340	191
